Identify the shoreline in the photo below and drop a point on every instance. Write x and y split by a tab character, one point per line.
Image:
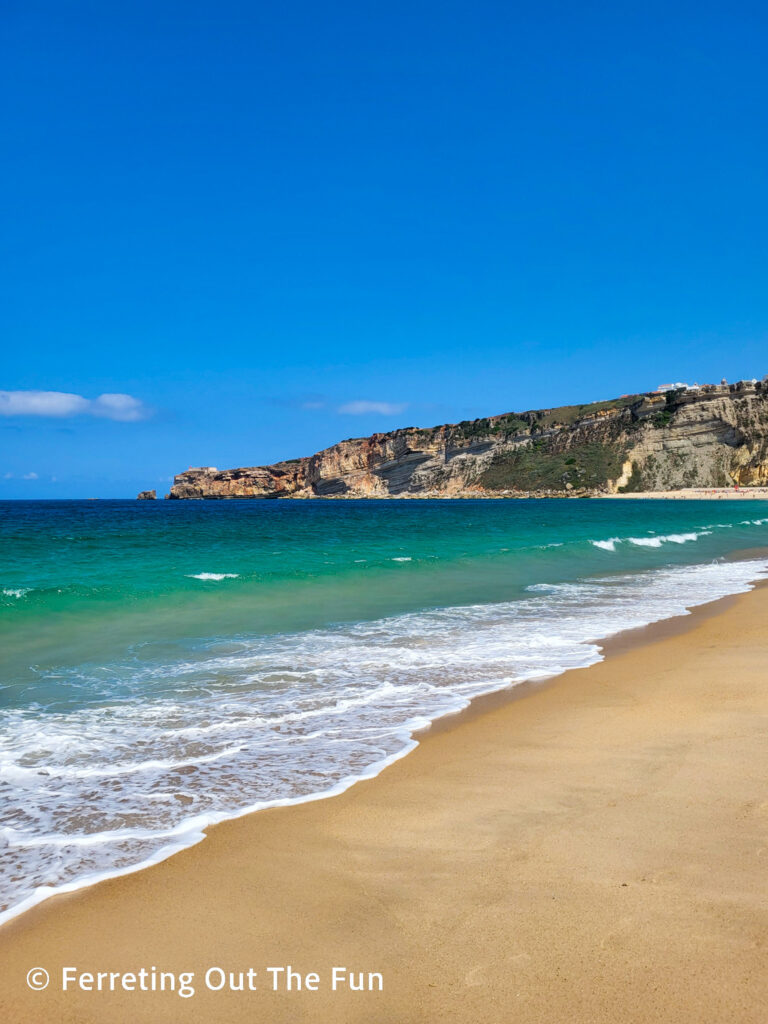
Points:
751	493
748	493
625	642
242	854
193	831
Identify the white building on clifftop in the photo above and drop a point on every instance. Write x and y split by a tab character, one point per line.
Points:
663	388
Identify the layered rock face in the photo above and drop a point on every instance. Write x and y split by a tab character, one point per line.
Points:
714	437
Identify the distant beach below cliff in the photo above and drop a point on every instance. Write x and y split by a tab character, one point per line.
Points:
701	494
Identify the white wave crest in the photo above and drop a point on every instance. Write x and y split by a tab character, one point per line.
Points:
607	545
650	542
213	576
670	538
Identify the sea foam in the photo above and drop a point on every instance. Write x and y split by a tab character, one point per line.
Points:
102	788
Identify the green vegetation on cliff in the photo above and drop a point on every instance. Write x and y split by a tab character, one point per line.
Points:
539	467
567	415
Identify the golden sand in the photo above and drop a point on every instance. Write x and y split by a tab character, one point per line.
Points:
596	851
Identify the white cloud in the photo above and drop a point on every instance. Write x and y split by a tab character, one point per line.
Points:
29	476
361	408
60	404
41	403
119	407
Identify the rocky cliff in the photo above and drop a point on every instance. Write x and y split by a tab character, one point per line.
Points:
713	437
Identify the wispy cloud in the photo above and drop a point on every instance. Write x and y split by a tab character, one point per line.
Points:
361	408
29	476
24	476
61	404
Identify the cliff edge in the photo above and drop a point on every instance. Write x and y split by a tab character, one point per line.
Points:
715	436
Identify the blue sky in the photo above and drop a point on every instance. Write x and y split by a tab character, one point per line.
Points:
276	226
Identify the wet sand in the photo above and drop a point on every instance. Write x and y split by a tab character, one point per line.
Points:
595	850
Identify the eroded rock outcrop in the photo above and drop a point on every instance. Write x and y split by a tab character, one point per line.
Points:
714	437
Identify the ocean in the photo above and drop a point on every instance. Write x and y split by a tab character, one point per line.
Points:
167	665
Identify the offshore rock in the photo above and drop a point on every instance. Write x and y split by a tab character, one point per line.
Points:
146	496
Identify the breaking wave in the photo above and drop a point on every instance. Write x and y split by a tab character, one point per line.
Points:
103	787
653	541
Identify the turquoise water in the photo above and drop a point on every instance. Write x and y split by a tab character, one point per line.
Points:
168	664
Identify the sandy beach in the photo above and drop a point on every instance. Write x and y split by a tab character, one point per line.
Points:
698	494
594	851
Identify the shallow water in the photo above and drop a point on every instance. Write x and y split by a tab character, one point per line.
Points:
166	665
